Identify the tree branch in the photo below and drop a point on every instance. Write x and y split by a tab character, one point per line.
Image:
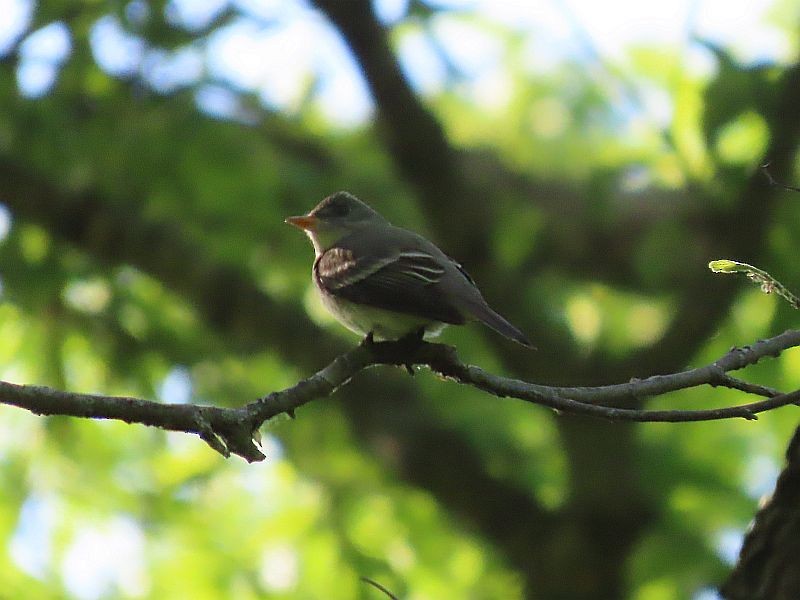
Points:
232	430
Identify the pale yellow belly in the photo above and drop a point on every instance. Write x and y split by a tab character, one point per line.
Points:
384	324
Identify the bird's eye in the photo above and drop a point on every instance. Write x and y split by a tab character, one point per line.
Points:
339	209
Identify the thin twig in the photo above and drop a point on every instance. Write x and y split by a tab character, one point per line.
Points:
745	386
758	276
374	583
774	182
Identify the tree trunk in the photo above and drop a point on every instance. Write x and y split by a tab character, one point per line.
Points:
769	564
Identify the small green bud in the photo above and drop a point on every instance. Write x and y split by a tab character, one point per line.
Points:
727	266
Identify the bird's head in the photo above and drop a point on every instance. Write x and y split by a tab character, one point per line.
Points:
335	217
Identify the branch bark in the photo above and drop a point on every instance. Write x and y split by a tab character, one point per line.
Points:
232	430
769	563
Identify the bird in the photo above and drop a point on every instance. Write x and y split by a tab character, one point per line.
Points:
389	283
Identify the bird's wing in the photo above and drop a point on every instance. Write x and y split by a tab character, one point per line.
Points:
397	279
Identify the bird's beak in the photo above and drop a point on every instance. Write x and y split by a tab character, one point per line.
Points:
304	222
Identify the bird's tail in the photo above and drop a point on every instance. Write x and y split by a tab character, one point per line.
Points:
484	313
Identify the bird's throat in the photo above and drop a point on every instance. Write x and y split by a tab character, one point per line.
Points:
322	239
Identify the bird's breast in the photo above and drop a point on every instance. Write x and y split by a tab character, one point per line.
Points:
363	319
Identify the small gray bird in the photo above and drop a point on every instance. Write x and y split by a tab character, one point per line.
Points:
378	279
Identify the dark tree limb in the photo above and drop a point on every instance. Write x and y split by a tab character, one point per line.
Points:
232	430
415	138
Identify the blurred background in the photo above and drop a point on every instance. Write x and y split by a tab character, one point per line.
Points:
583	160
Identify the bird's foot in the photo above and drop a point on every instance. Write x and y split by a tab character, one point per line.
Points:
369	340
412	341
407	345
